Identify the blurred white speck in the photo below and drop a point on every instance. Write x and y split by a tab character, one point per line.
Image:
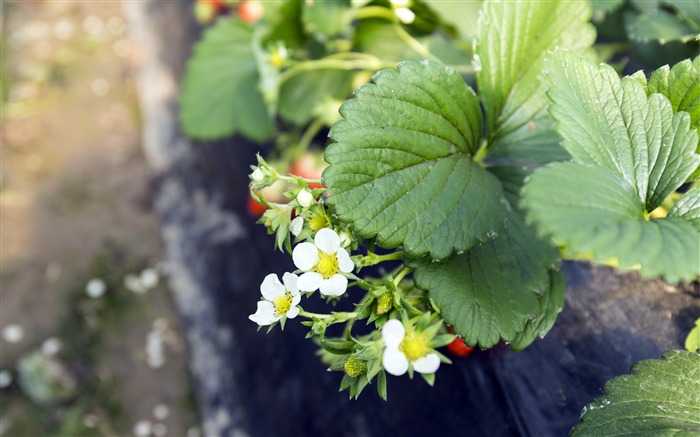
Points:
405	15
149	278
100	87
93	25
5	378
142	428
159	429
161	411
116	26
63	29
122	47
37	30
51	346
193	432
13	333
133	283
95	288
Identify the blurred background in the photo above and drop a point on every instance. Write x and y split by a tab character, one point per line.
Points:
90	340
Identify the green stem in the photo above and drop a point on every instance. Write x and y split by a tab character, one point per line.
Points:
481	152
375	12
331	63
371	258
305	140
415	44
400	276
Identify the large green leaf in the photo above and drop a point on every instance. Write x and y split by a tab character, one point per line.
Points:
688	208
596	212
612	123
551	304
463	15
493	291
681	84
660	26
401	166
659	398
514	39
220	93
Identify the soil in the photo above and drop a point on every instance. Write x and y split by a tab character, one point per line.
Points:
75	205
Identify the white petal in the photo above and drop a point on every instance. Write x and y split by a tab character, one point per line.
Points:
393	333
305	256
290	283
271	287
344	262
394	362
427	364
265	315
334	286
293	312
327	240
296	298
296	226
310	281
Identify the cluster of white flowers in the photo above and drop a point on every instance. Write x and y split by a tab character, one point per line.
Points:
324	264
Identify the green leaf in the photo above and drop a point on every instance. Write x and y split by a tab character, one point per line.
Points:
660	26
687	8
401	166
302	96
659	398
463	15
514	39
681	84
551	304
220	95
688	208
612	123
493	291
596	212
283	22
326	17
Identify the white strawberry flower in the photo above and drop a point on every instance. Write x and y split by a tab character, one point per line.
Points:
278	300
324	262
404	348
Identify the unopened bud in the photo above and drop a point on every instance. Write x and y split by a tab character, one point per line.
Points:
296	226
305	198
257	175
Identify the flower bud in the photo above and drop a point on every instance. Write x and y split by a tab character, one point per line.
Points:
257	175
345	238
296	226
305	198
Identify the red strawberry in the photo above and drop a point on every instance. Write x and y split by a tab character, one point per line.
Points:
250	11
309	167
458	347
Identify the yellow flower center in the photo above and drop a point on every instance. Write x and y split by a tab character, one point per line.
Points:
318	222
384	303
414	346
327	264
283	303
354	367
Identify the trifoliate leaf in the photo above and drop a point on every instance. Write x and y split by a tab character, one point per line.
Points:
660	26
220	95
514	39
659	398
612	123
595	212
302	96
681	84
551	304
401	166
688	208
493	291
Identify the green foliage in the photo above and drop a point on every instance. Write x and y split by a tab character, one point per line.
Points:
630	152
220	93
326	18
402	168
692	341
514	39
305	96
682	87
495	290
659	398
688	208
662	26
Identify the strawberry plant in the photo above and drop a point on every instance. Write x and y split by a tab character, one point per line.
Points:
466	174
